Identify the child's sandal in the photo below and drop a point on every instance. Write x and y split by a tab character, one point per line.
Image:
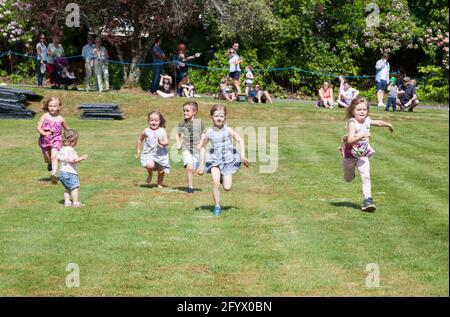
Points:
67	204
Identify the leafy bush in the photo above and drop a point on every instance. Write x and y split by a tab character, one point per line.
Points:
433	83
145	81
116	76
26	68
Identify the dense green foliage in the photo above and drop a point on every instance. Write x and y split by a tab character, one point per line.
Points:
328	37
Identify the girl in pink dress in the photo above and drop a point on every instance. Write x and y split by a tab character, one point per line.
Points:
50	128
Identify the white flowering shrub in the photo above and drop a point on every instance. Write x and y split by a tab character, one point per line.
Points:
14	33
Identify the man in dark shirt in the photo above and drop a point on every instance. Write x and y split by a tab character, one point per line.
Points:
158	64
407	95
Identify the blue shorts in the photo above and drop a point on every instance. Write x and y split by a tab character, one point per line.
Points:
252	94
69	180
382	85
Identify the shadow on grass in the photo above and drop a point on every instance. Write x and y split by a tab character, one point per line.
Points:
210	208
44	179
184	189
149	186
346	204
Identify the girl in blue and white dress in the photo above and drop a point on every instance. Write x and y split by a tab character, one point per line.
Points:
155	156
224	160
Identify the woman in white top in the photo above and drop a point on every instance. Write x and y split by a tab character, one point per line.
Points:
54	50
235	69
41	64
101	64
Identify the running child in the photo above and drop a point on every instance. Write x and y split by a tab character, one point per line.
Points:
68	172
224	160
356	150
155	156
50	127
188	138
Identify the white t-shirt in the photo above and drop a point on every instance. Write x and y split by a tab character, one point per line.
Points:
43	51
360	128
249	77
234	67
348	94
65	155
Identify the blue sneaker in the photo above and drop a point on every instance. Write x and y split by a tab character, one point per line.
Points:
217	211
368	205
190	190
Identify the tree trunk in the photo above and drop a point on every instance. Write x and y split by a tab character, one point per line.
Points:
134	73
138	52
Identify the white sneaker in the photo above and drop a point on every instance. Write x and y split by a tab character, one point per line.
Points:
381	105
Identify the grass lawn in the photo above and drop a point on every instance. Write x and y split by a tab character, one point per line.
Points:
296	232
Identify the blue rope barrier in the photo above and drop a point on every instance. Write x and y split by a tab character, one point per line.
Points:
314	73
5	53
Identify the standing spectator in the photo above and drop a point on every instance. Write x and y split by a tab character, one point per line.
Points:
54	50
248	79
88	56
235	69
180	58
41	63
382	77
101	64
392	96
408	97
158	64
326	96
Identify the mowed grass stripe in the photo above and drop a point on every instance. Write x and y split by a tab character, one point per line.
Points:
295	232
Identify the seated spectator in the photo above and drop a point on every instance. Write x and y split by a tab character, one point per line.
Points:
226	90
407	95
346	93
165	84
186	87
326	96
258	95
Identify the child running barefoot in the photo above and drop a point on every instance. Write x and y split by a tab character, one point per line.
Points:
356	150
224	160
155	156
188	138
50	126
68	173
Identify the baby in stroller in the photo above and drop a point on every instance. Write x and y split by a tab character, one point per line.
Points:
62	76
